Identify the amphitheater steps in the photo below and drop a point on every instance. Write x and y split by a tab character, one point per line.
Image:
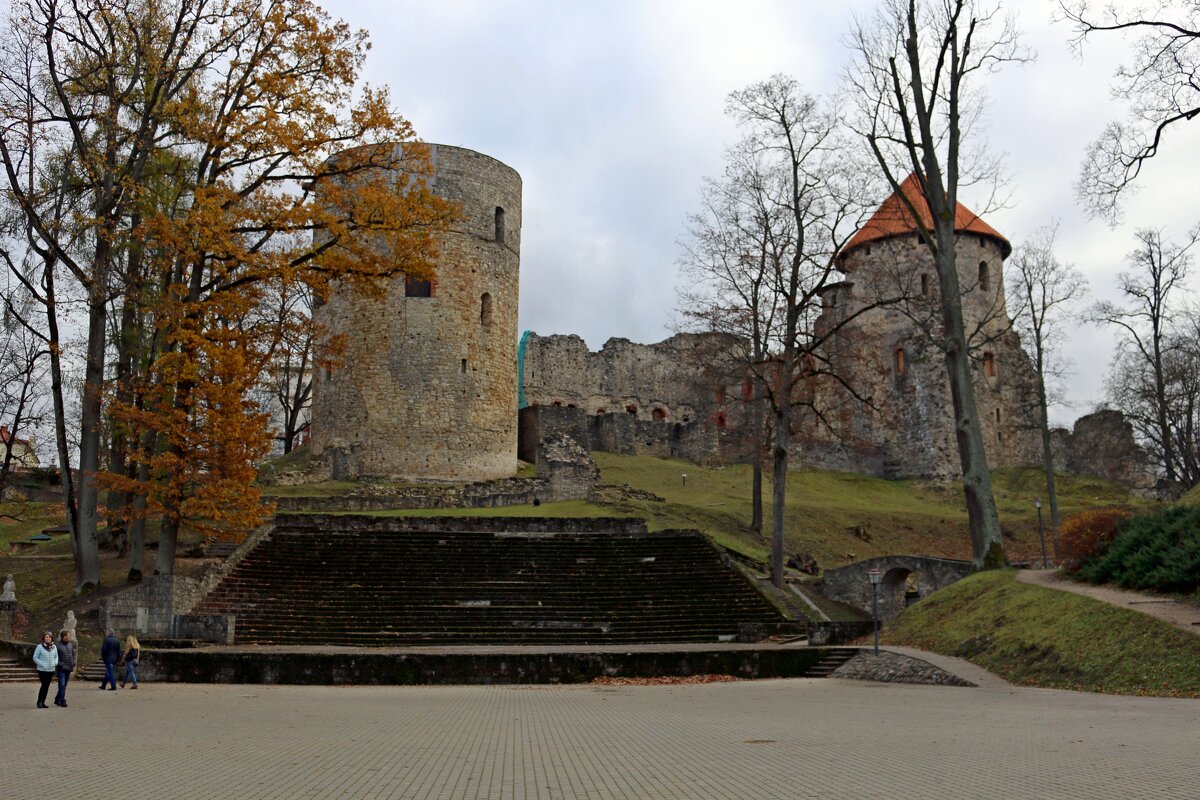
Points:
446	587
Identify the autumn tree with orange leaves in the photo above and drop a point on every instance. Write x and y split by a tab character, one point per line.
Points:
201	136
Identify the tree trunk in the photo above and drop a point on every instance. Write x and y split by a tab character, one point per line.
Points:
987	546
60	421
779	468
89	432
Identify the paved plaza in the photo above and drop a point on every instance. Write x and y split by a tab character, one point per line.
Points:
804	738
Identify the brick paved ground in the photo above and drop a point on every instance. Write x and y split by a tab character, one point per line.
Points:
767	739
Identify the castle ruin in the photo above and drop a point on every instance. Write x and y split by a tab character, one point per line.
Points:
424	387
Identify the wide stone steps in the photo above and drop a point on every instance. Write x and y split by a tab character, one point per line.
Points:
372	588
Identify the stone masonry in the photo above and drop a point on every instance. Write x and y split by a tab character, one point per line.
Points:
425	386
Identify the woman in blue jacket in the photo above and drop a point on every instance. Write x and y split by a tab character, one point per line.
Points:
45	658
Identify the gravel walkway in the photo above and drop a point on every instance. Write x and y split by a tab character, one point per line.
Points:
1178	614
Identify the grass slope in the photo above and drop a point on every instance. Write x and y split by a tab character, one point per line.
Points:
836	517
1043	637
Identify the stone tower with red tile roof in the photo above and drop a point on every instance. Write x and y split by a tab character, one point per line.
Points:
891	354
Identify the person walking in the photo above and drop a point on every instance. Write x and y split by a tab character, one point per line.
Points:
66	665
133	651
110	654
45	658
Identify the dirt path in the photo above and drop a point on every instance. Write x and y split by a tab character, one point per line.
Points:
1178	614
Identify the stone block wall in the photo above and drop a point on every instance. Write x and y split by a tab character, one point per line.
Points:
425	388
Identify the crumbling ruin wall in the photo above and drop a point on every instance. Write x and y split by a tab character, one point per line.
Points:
1102	444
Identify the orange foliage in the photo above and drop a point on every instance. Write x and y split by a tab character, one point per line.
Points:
1087	533
292	175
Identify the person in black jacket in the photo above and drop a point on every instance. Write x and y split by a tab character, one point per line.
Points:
66	665
110	654
133	651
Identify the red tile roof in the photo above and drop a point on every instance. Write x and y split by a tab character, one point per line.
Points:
893	219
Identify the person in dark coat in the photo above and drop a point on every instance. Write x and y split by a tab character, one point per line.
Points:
110	654
66	665
45	658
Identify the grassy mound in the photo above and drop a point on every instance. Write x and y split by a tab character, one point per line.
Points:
835	517
1044	637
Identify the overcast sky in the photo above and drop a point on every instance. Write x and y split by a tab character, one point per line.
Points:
612	113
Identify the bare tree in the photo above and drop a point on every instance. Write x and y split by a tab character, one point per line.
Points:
1159	88
767	248
1042	291
23	377
291	370
1149	354
918	66
728	288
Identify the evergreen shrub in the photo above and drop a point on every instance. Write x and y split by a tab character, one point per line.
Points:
1159	551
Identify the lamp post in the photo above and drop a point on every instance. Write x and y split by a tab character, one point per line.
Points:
1037	503
874	576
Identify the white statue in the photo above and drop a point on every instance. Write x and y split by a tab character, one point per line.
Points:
69	625
10	589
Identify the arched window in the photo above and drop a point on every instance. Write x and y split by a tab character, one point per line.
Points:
925	286
557	404
985	278
630	409
900	362
601	412
485	310
658	414
989	365
499	224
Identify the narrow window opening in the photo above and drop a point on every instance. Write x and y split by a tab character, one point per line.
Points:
485	310
462	366
997	416
748	389
499	224
900	361
989	365
719	394
418	288
925	286
721	421
985	278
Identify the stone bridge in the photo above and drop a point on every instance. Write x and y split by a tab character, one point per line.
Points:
905	580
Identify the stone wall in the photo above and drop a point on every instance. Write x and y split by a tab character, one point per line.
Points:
699	441
624	526
1101	444
159	606
689	377
425	388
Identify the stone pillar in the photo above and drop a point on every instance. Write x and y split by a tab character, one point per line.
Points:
8	614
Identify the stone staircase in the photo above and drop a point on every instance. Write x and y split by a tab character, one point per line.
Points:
377	588
833	658
13	670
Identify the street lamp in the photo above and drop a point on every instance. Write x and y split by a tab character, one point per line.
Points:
1037	503
874	575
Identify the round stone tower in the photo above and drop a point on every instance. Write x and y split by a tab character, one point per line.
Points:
425	385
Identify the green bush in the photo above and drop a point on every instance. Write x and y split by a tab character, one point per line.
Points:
1158	551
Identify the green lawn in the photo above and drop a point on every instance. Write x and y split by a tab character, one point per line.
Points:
1043	637
836	517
